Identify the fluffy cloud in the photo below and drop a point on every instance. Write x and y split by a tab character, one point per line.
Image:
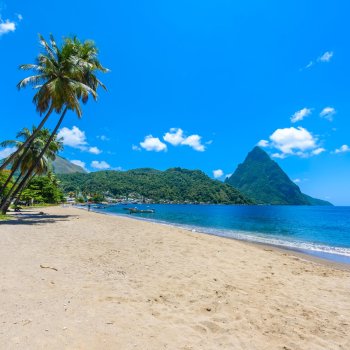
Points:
300	115
151	143
318	151
4	153
297	181
194	141
73	137
7	26
294	141
342	149
176	137
218	173
100	165
326	57
328	113
76	138
94	150
79	163
263	143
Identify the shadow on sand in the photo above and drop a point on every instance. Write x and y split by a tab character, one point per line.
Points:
34	218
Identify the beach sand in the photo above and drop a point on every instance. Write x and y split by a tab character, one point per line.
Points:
74	279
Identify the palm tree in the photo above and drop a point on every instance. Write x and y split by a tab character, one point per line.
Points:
62	76
29	165
25	159
74	67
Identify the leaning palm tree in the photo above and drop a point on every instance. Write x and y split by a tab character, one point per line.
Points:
29	165
63	75
75	80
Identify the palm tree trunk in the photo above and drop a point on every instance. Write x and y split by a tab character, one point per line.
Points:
24	187
15	184
12	173
26	143
13	193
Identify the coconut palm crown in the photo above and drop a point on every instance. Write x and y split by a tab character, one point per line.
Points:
64	75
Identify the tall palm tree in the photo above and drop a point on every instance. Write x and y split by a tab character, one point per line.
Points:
29	164
62	76
75	65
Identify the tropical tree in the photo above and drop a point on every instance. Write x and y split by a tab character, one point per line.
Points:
72	71
29	166
62	77
42	189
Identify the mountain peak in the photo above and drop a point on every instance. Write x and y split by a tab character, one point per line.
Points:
258	154
262	179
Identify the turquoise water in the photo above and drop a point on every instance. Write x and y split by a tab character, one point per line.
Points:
320	231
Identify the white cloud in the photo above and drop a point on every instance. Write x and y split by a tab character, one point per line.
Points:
76	138
153	144
342	149
300	115
296	181
194	141
328	113
326	57
100	165
278	155
294	141
218	173
176	137
4	153
20	17
7	26
79	163
73	137
135	148
228	175
318	151
94	150
263	143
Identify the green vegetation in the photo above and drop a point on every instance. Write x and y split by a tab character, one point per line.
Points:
172	185
4	217
27	164
262	179
64	77
42	189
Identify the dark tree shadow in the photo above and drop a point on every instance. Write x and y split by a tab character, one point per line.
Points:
30	218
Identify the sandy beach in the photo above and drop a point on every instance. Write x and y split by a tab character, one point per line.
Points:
73	279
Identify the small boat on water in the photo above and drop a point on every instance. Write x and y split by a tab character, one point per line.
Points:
140	211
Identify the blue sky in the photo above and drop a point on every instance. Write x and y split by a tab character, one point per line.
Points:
198	84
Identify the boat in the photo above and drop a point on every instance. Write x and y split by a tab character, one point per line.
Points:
140	211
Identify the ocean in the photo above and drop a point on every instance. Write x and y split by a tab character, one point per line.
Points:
319	231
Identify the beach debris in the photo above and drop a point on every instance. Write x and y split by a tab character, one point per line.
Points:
48	267
208	309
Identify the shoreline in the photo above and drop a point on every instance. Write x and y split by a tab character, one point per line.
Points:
72	279
315	256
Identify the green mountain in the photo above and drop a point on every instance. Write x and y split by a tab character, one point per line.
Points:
174	185
262	179
63	166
